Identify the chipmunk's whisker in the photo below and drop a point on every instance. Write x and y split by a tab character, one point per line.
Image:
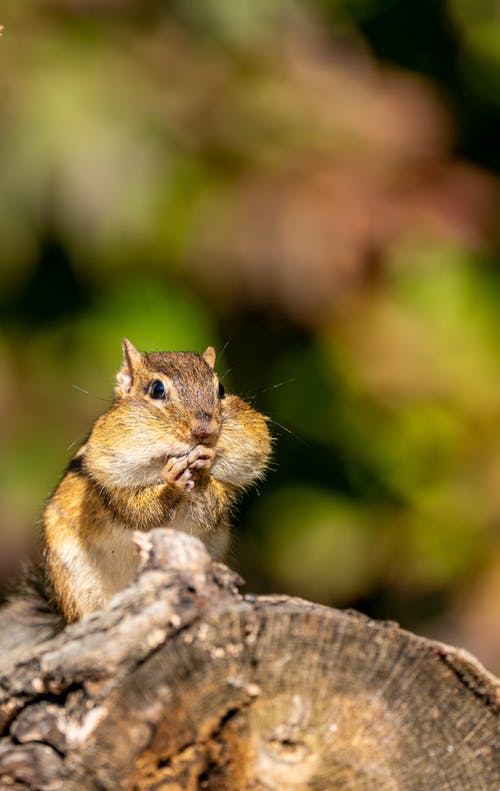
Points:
289	431
224	348
278	384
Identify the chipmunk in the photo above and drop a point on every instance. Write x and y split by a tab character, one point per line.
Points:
172	450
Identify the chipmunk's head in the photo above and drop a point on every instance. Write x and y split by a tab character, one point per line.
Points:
166	404
179	390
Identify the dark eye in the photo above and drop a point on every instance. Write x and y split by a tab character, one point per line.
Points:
222	392
157	389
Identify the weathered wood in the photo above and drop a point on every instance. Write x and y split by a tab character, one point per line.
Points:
183	684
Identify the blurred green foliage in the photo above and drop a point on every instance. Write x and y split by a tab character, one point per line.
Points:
311	187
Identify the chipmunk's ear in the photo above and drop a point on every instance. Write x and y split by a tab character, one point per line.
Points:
209	356
125	376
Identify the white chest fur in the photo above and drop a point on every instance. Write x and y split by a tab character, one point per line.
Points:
105	564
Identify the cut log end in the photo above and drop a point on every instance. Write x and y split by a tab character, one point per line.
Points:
184	684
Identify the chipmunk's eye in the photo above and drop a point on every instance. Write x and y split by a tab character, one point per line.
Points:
157	389
222	392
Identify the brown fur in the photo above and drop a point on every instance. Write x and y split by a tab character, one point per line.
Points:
179	462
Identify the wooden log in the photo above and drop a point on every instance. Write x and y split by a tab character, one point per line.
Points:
183	684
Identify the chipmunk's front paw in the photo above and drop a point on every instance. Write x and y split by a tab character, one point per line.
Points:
201	457
177	472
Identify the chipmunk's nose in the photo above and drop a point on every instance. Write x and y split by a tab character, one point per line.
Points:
204	427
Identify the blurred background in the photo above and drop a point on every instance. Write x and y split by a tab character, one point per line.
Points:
313	188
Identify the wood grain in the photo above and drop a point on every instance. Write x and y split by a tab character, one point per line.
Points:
183	684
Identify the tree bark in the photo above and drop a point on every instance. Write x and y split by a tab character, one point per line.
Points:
183	684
